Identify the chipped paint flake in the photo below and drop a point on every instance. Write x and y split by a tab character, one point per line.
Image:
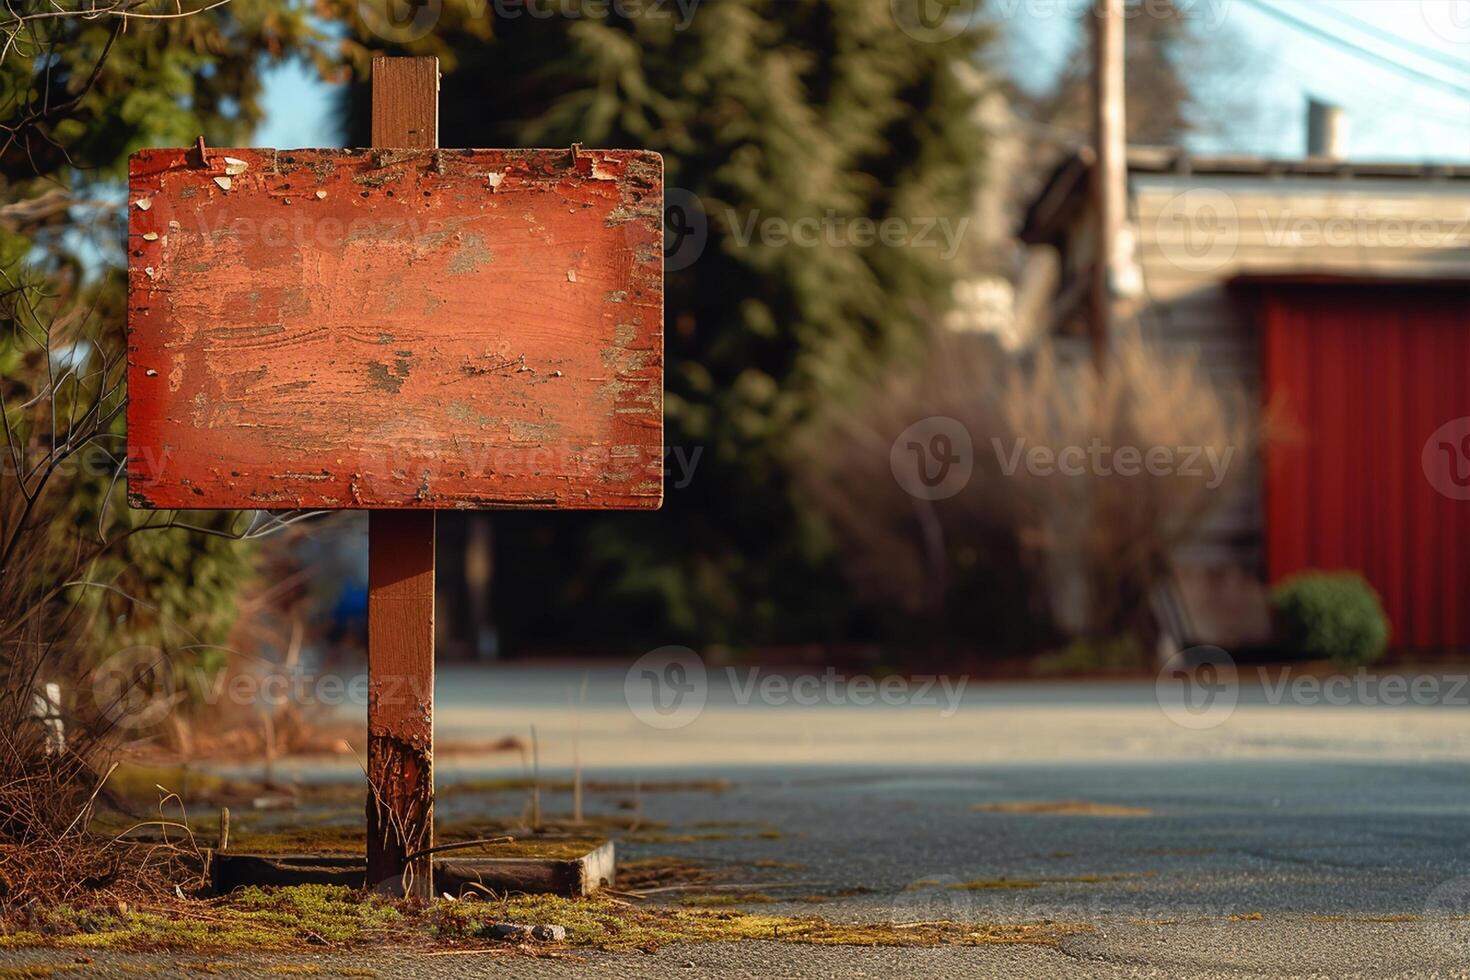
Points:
223	182
472	254
234	167
144	203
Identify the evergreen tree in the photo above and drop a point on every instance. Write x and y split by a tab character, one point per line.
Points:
763	109
1180	77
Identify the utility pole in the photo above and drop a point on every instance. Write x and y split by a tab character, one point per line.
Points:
1110	170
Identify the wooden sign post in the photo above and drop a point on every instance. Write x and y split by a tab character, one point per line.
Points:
400	749
402	329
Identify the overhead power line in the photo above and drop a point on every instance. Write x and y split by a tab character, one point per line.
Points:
1460	65
1321	33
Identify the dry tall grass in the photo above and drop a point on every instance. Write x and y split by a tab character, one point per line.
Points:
62	372
1026	551
51	854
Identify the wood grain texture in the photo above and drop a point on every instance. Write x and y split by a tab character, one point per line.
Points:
400	806
395	328
406	102
400	770
572	877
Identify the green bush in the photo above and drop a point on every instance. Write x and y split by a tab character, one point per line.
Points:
1334	615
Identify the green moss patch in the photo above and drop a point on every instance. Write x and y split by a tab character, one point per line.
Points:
321	916
726	898
605	923
316	915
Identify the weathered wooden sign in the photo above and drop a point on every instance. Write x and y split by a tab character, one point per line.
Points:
401	329
395	328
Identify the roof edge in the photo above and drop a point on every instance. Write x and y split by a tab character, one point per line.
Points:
1070	175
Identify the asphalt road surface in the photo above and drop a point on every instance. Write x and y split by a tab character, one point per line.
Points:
1293	837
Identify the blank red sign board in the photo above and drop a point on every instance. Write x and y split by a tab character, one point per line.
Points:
395	329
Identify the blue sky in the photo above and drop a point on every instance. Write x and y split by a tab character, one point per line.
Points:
1270	69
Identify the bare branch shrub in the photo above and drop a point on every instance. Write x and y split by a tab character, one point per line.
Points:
966	567
1031	546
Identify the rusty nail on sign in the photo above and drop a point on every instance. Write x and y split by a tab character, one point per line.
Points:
290	363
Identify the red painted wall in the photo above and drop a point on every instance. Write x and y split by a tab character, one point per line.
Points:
1375	382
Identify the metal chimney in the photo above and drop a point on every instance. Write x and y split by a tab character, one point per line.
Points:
1326	130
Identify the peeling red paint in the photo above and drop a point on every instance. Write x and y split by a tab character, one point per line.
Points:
395	329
